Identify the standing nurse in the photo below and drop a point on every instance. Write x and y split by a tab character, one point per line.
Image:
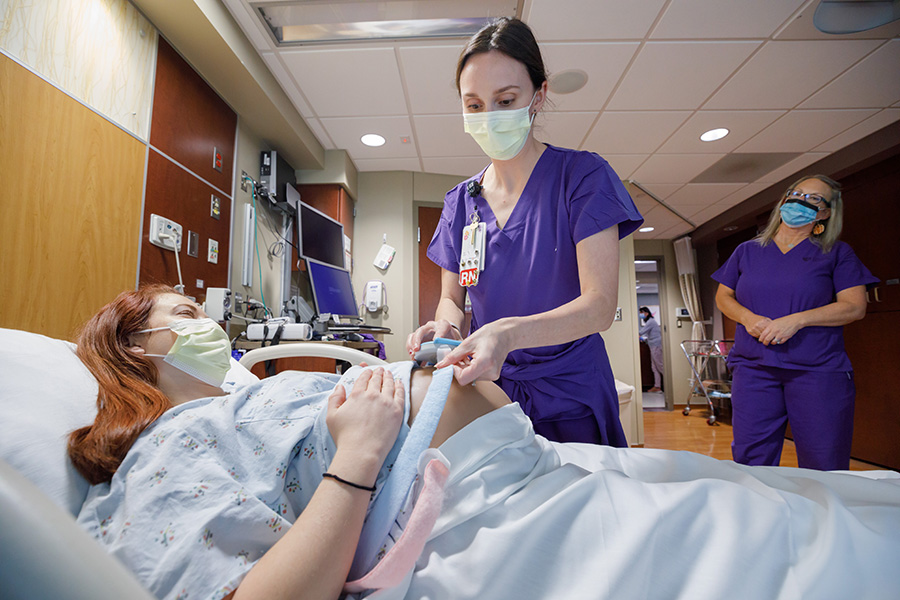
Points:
544	281
791	289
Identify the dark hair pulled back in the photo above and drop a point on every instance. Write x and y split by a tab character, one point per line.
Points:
513	38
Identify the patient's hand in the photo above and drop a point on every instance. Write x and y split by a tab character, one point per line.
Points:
366	422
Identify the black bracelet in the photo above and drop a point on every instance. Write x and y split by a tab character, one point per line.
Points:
350	483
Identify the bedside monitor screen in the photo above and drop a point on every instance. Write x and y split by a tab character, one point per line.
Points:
319	236
332	290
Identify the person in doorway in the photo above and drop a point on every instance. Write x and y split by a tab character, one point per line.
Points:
546	224
791	290
651	334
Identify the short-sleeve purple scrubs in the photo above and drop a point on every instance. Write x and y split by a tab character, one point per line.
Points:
807	379
775	284
531	267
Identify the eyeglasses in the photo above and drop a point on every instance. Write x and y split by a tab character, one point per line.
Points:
817	200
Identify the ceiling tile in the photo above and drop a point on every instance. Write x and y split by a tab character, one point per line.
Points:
443	135
668	75
788	170
633	132
743	193
673	168
288	84
464	167
604	64
860	130
346	134
702	216
675	231
387	164
696	196
742	125
553	19
873	82
661	218
429	76
564	129
624	164
783	74
802	130
349	82
723	18
662	190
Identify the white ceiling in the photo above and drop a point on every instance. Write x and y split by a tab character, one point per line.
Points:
660	73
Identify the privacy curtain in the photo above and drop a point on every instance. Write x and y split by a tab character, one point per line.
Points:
687	279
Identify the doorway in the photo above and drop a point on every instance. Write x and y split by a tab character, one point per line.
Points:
654	372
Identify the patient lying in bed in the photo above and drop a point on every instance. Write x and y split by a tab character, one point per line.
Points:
223	493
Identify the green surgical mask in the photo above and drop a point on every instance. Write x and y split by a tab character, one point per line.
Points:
500	133
202	349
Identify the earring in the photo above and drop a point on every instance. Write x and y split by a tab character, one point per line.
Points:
819	229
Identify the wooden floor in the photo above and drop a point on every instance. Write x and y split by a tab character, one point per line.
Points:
671	430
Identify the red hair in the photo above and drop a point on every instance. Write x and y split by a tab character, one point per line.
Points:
128	400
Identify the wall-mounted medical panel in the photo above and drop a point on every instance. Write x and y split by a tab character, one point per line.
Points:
176	194
191	124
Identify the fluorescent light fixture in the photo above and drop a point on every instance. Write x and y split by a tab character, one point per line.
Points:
714	134
372	139
312	21
853	16
645	229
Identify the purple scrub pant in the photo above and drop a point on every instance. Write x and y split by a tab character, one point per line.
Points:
819	406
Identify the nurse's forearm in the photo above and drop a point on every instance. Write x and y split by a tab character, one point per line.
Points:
734	310
448	309
567	323
835	314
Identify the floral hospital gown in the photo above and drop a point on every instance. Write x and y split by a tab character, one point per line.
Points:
208	488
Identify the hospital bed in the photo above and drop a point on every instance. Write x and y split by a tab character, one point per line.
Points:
46	392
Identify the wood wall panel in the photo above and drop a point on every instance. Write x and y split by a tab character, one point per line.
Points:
190	119
176	194
70	202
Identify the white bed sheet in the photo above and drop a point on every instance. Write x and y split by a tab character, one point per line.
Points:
527	518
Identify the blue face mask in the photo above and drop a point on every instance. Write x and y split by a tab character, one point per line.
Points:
794	214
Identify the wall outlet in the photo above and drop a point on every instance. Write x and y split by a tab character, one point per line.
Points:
215	207
618	313
160	228
213	254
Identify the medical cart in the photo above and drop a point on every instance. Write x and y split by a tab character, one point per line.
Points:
710	377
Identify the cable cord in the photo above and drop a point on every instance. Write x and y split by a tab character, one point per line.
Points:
258	259
180	286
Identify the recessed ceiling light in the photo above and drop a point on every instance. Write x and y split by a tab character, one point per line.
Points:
714	134
645	229
730	228
372	139
568	81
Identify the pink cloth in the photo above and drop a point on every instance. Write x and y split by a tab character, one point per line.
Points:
400	559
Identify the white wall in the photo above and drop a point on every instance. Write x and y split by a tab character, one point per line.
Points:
268	225
621	341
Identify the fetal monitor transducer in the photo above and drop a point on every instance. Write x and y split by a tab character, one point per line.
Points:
433	352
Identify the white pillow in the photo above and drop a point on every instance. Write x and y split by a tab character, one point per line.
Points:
45	393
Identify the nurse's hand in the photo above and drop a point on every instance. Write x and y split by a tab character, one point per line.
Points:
780	330
480	356
427	332
756	325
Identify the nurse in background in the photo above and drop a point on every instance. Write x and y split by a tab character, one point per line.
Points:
553	219
791	289
651	334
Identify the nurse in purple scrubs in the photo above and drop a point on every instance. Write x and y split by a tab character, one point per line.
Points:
545	280
791	290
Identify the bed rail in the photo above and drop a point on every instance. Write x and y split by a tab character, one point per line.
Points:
315	349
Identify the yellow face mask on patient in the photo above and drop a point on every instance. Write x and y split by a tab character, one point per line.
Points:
202	349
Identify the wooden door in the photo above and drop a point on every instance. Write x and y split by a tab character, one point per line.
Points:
430	273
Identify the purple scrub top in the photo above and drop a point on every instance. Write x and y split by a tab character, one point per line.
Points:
531	267
773	284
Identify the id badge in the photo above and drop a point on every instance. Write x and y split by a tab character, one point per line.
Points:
471	256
